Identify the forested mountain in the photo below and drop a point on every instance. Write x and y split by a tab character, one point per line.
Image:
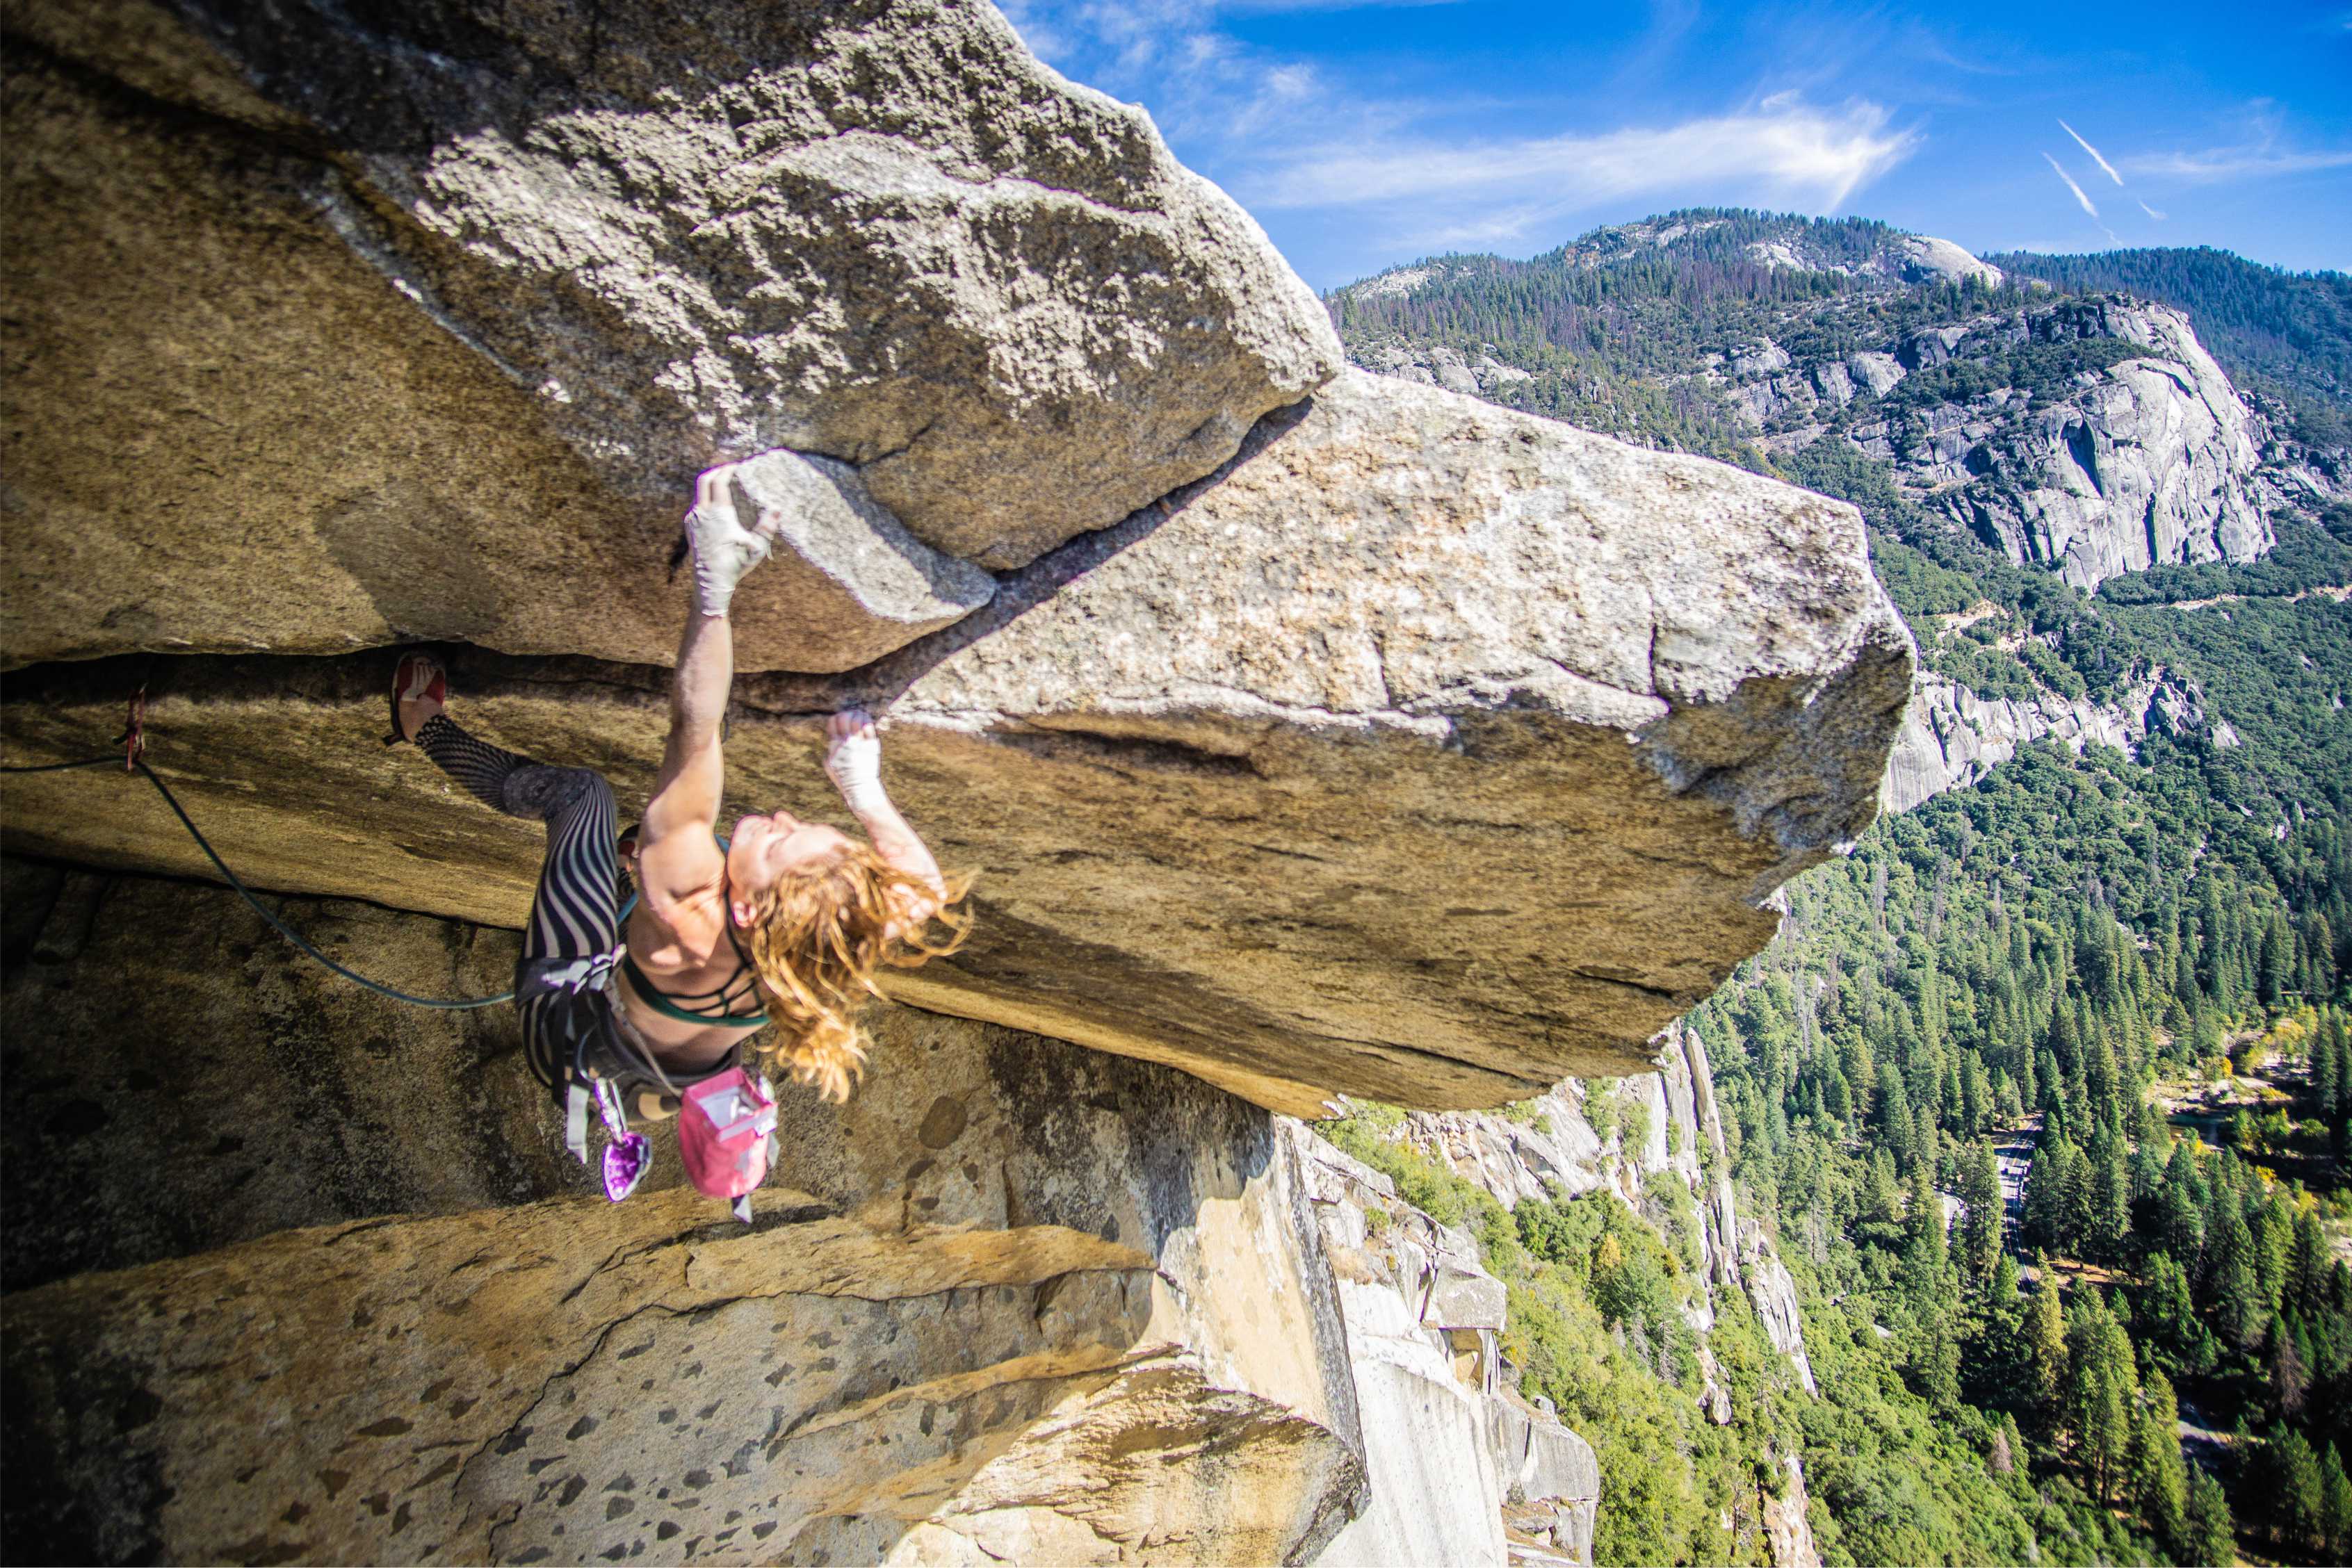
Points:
2046	1092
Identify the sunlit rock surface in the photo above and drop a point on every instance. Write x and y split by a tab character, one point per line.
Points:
1018	1298
329	331
1429	752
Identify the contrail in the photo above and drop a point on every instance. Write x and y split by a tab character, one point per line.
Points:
2151	212
2093	151
2070	184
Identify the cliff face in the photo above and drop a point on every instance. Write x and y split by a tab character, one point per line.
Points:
1461	1469
1018	1298
1548	1147
1548	1142
1951	737
1307	732
2153	461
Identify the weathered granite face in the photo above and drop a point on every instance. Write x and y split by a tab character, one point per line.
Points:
2153	463
1461	1469
1429	752
1951	737
176	1077
1016	1299
1549	1147
331	331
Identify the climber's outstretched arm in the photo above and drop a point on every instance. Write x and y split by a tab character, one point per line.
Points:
693	772
853	759
677	855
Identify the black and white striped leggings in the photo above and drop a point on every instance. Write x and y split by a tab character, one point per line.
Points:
575	914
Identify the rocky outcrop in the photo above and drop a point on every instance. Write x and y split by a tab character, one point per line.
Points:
328	334
1923	258
1461	1469
1480	374
2151	465
1895	258
1788	1521
2152	461
1460	690
1017	1300
1952	738
1547	1147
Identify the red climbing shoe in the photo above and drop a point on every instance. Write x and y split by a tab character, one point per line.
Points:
416	675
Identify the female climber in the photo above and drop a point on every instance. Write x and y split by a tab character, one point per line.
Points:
782	924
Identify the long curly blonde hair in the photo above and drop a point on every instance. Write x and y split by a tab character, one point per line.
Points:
817	937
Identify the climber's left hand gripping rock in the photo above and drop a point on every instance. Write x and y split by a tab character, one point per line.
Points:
724	544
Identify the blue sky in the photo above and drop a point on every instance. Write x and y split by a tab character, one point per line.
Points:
1367	132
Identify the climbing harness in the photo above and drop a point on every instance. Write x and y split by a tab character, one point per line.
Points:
134	760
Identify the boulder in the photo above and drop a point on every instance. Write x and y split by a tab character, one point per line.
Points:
1921	258
1951	737
1429	752
331	331
1878	371
1017	1299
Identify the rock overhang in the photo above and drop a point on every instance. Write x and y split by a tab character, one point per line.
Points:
1426	752
443	313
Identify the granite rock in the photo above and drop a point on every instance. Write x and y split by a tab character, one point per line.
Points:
1248	792
436	314
1017	1299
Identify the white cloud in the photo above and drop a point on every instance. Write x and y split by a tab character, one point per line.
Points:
2235	163
2264	150
1280	135
2070	184
2093	151
1783	147
2151	212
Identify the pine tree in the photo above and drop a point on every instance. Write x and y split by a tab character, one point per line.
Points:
2276	963
2273	1232
2046	1180
2160	1480
2110	1220
2234	1296
2173	1332
2077	1198
2102	1394
2323	1072
2045	1349
2181	1226
2300	1522
1981	1230
2336	1507
2211	1538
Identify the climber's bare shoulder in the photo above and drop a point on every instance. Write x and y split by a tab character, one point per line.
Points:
680	920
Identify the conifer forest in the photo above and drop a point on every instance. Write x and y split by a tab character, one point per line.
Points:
2047	1089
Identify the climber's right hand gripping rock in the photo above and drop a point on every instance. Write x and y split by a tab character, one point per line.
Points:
723	545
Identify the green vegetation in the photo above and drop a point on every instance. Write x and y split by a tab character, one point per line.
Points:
2069	960
1596	1325
1601	324
2033	960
